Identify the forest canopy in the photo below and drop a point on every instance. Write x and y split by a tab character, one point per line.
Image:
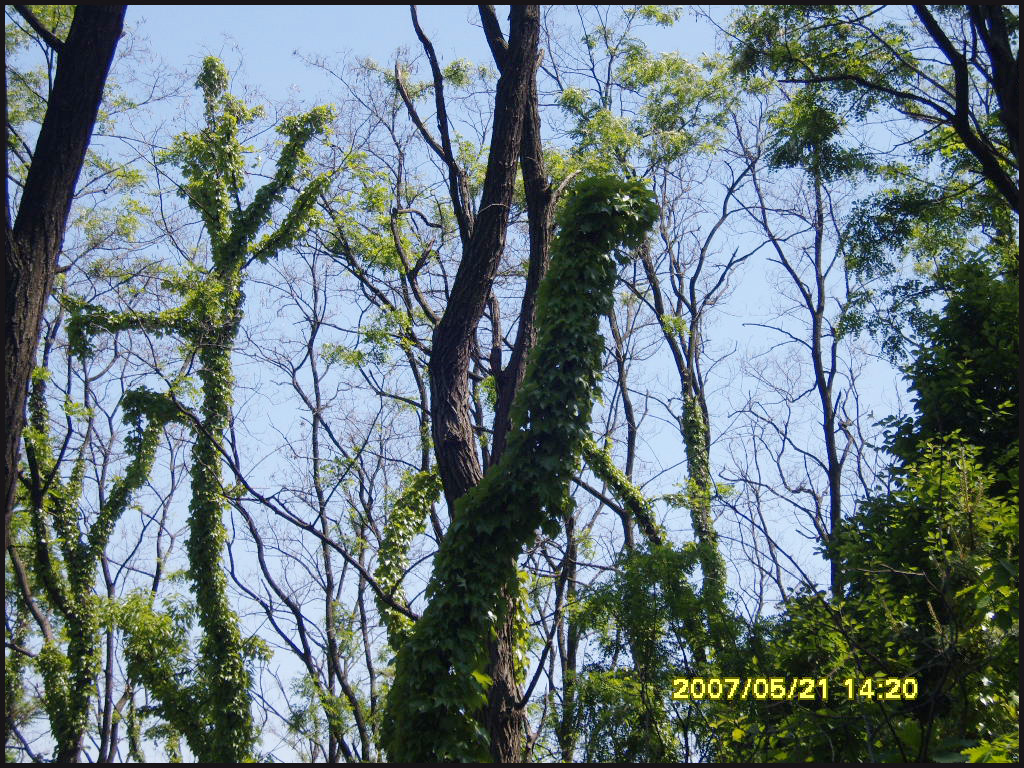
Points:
557	395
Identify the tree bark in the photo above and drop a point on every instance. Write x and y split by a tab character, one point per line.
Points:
33	243
505	721
539	204
451	425
454	443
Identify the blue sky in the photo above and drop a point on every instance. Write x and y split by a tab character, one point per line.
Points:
268	36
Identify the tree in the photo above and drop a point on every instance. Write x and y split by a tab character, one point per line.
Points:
440	672
65	561
802	233
662	117
624	490
338	479
483	242
866	58
213	710
929	557
32	243
931	576
74	528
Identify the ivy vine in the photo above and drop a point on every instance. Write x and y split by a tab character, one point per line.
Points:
407	520
64	560
208	700
441	682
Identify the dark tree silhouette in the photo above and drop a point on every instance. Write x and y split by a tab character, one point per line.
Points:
33	243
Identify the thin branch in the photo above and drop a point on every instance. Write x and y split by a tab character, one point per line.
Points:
40	29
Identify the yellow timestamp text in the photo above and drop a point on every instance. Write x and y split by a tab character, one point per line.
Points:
793	689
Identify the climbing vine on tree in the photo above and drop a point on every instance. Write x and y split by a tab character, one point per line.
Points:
408	519
212	710
65	558
440	678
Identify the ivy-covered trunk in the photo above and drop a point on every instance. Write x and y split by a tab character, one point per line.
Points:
221	657
206	697
441	683
685	341
697	439
64	559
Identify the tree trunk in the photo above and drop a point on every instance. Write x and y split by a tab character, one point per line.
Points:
451	425
505	720
539	204
454	444
33	243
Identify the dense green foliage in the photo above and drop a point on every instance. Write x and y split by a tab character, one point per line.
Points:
934	569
